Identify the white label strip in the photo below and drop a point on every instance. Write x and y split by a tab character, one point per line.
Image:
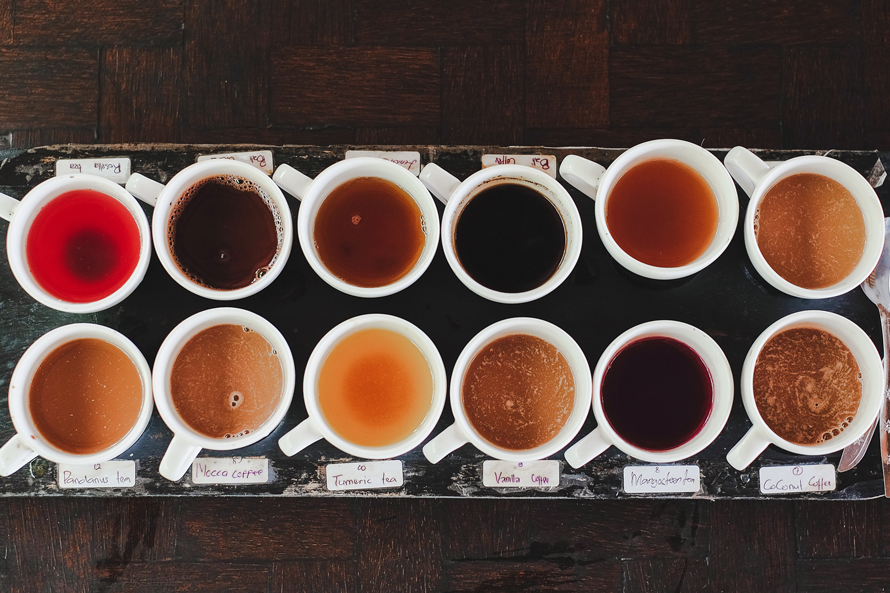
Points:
230	470
110	474
789	479
408	160
365	475
261	159
524	474
542	162
656	479
115	169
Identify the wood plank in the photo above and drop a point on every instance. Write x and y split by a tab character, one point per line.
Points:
779	22
133	530
5	565
678	575
875	51
440	22
483	99
831	576
840	530
273	136
355	86
224	83
313	22
140	94
395	136
317	576
707	87
267	530
209	577
533	576
399	545
47	136
97	22
650	22
618	529
6	22
822	103
752	546
567	64
483	529
46	89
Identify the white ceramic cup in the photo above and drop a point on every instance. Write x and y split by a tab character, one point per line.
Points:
756	178
316	426
456	195
312	192
760	436
604	436
28	443
462	432
21	214
165	198
187	442
597	182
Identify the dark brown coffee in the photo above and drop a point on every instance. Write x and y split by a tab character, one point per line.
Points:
807	385
225	233
518	392
85	396
226	381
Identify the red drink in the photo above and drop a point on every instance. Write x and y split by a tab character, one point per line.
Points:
82	246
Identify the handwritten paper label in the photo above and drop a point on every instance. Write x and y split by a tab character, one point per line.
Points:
261	159
230	470
541	162
110	474
115	169
523	474
408	160
789	479
656	479
365	475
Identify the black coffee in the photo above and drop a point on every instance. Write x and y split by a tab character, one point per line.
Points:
224	233
510	238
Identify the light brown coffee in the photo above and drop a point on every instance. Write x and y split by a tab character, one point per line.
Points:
226	381
807	385
810	230
85	396
518	392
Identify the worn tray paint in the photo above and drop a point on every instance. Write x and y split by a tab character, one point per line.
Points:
599	301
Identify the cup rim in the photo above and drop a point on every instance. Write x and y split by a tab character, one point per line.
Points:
355	168
718	178
865	197
186	178
173	344
20	384
20	226
708	351
471	186
870	367
570	350
375	321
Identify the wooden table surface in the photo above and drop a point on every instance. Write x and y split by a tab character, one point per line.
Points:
808	74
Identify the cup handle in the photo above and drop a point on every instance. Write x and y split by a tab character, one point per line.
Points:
144	188
447	441
179	456
8	205
300	437
440	182
292	181
14	454
583	174
747	449
587	448
746	168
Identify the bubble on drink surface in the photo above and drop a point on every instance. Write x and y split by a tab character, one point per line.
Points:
262	272
232	181
244	432
236	398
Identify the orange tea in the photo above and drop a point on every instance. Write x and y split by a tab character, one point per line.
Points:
375	388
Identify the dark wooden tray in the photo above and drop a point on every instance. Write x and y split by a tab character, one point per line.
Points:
599	301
